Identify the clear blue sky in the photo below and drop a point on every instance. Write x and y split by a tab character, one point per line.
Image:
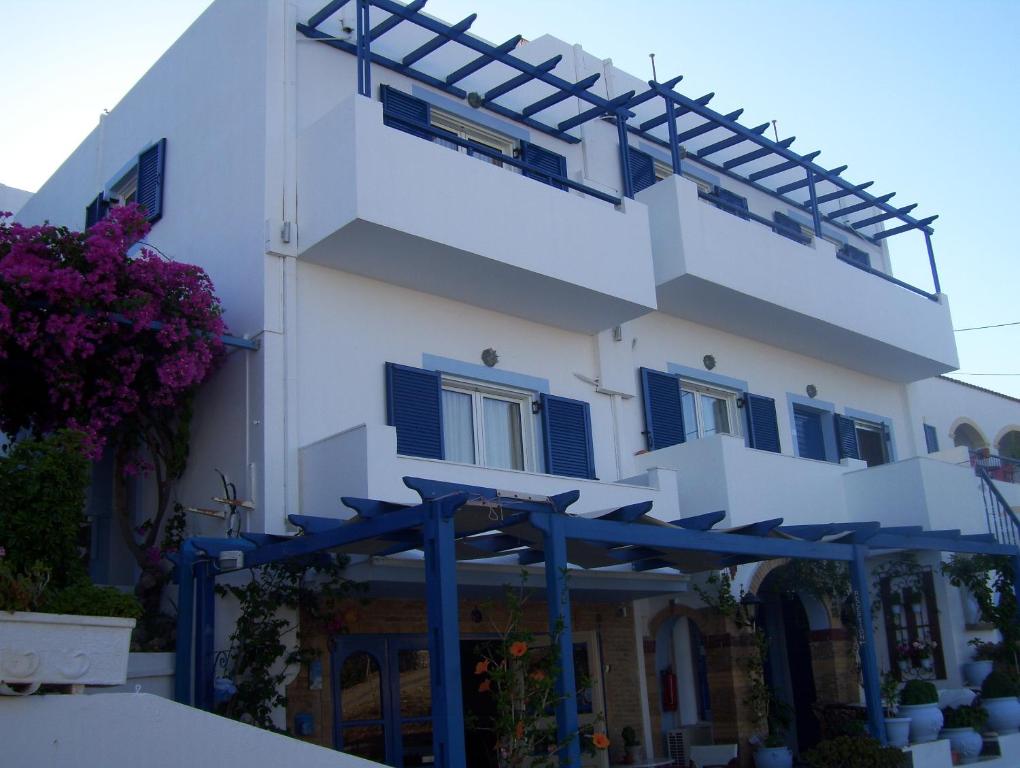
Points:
919	95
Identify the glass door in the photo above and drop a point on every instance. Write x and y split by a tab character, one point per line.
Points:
382	699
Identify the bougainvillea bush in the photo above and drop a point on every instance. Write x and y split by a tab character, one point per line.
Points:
111	339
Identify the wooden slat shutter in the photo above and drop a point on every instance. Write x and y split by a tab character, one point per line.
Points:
664	413
762	426
414	405
547	164
846	437
566	426
96	210
642	170
405	112
150	180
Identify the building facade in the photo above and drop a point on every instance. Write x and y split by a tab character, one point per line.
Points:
456	271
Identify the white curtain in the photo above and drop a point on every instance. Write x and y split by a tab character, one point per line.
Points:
458	427
503	447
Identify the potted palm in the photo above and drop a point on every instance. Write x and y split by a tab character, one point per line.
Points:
999	697
897	729
919	700
961	728
631	746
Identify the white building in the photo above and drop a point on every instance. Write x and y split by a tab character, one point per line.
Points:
425	309
12	199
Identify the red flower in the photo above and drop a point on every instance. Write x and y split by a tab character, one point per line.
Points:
482	667
518	649
600	741
485	686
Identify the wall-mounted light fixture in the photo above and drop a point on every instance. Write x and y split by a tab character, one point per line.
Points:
812	391
490	357
709	361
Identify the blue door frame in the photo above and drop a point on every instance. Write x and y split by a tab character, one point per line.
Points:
385	649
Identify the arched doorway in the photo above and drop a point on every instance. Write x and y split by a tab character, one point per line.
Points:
1009	445
787	619
967	435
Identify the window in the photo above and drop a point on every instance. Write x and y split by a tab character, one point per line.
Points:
807	424
142	183
730	202
475	134
789	227
487	425
854	256
442	417
708	410
931	438
912	632
872	442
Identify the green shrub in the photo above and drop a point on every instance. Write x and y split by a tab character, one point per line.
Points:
22	591
87	599
43	485
999	685
964	717
919	692
854	752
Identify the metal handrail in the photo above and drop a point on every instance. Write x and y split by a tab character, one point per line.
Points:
1005	534
495	154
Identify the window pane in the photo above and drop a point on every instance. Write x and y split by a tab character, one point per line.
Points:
458	427
484	158
360	688
690	414
415	685
503	445
365	741
714	415
417	738
871	446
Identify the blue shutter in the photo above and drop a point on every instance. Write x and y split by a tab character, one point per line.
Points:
150	180
762	427
846	437
544	162
808	426
414	405
731	202
642	170
788	227
664	414
931	438
566	427
854	256
96	210
405	113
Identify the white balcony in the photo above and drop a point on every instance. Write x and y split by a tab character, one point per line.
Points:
391	206
740	276
363	462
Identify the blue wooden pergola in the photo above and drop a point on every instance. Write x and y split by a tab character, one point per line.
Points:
685	127
457	522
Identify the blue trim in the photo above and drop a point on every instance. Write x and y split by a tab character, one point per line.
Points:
806	221
484	373
707	377
828	429
475	116
853	413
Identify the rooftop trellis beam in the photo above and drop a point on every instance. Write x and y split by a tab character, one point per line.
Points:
677	112
325	12
591	114
524	77
705	127
922	225
820	173
386	25
755	154
557	96
764	173
482	61
485	48
438	41
732	141
858	206
881	217
804	182
828	197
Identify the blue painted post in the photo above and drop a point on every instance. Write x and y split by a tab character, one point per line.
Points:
205	631
866	642
1015	560
931	261
185	623
558	596
621	130
815	215
674	144
444	632
363	49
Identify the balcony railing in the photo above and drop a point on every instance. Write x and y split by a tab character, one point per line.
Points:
1002	521
1001	468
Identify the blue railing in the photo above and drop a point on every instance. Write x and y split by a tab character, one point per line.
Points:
554	179
1001	468
1002	520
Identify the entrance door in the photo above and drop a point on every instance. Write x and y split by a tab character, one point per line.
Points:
382	699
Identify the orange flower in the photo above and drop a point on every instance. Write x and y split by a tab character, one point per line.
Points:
519	729
482	667
486	684
518	649
600	741
538	675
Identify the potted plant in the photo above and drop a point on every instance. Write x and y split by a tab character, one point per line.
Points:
919	700
999	697
961	728
897	729
854	752
922	653
55	625
976	670
631	745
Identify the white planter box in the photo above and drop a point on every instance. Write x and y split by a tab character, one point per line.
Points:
63	650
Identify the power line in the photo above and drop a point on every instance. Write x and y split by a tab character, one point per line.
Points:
983	327
965	373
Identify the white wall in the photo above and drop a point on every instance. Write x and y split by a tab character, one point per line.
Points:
944	403
140	729
12	198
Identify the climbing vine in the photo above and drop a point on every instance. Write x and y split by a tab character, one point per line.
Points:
990	579
253	684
